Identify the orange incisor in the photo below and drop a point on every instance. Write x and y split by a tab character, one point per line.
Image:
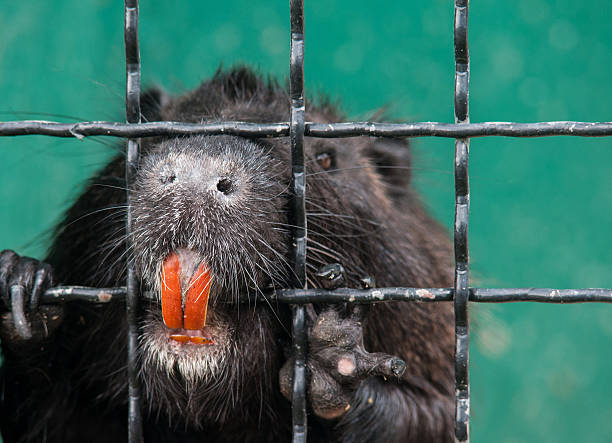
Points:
193	317
172	310
196	302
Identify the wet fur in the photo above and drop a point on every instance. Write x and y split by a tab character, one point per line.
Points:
73	386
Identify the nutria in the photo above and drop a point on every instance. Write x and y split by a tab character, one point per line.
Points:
211	236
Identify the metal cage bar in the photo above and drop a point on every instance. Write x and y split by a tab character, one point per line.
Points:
323	130
63	294
298	217
132	105
462	207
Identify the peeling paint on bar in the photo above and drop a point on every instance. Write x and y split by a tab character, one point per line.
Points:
424	293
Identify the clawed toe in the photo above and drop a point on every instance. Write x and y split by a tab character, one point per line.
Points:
22	282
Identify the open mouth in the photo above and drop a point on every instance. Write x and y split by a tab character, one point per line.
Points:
184	298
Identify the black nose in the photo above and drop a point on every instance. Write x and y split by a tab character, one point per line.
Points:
225	185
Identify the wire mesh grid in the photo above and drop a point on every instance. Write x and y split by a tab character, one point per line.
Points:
462	130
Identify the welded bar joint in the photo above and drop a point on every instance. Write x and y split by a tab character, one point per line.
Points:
298	214
132	105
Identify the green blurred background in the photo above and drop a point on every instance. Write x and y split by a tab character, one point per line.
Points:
540	208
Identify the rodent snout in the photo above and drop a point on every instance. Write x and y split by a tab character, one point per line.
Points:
221	198
205	172
224	185
210	176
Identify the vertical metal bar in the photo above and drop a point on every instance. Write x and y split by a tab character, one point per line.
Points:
462	202
132	107
296	90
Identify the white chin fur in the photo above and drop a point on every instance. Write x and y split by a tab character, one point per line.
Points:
195	364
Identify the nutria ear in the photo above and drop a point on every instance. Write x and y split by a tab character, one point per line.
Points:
392	159
151	102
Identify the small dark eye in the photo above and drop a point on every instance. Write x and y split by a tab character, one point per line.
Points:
325	160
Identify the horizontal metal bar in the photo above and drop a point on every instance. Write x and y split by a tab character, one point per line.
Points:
61	294
479	295
361	295
542	295
133	130
321	130
343	295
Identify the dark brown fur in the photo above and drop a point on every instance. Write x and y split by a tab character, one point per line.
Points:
72	387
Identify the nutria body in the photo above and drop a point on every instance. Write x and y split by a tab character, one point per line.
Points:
222	201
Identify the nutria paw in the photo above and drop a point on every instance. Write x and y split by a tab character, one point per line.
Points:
22	282
338	361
